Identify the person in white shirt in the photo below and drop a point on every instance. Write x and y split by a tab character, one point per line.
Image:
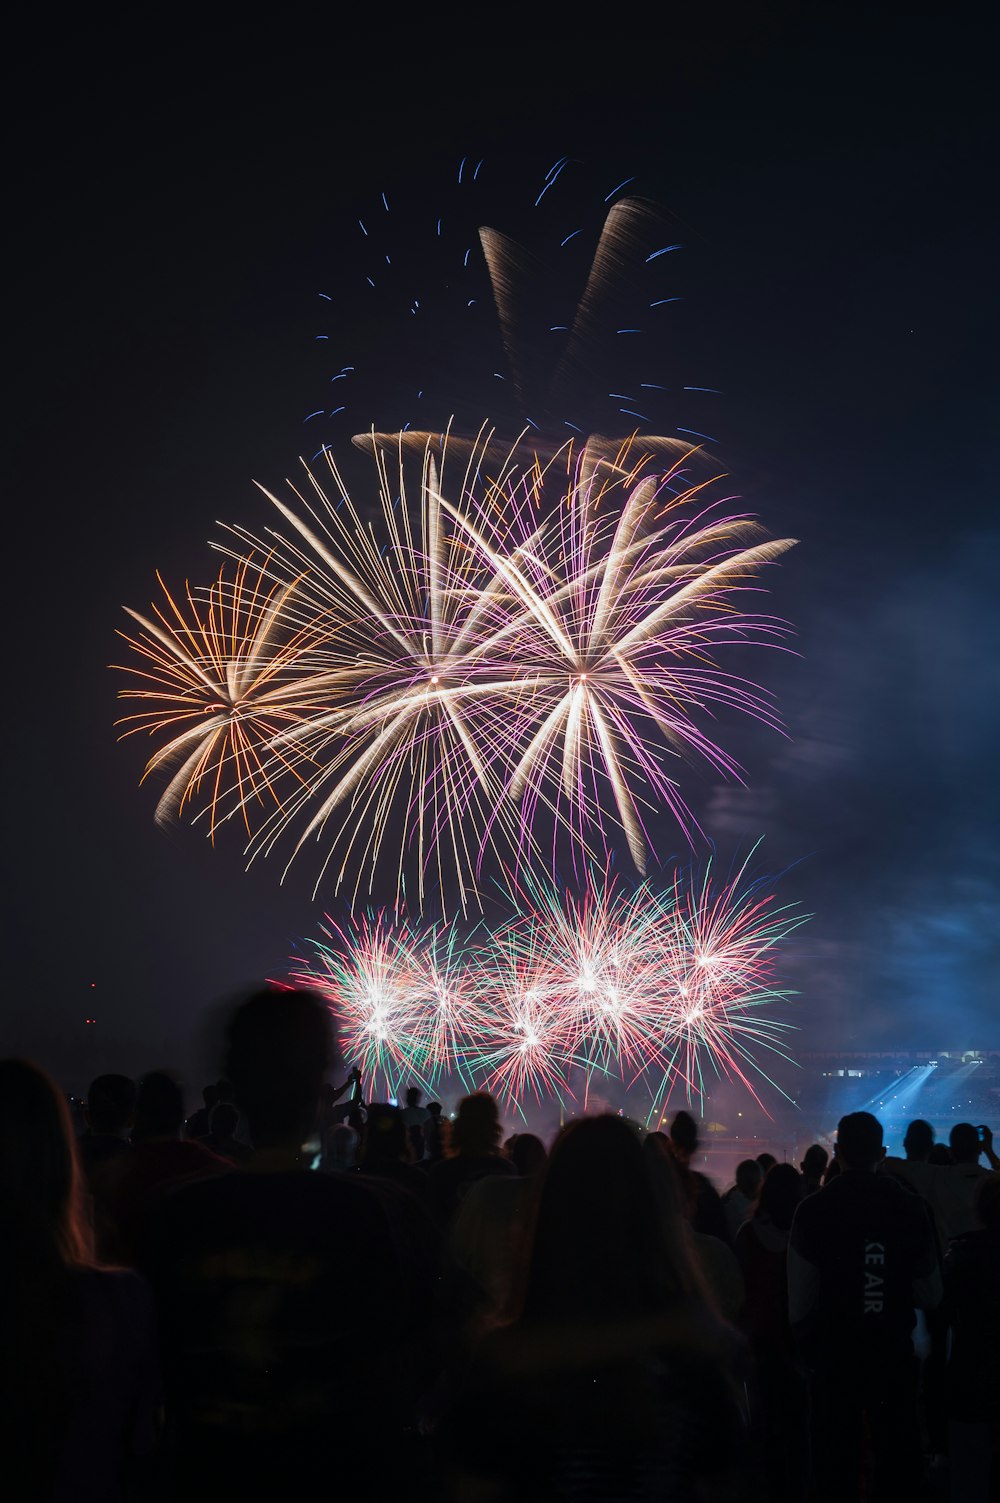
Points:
949	1189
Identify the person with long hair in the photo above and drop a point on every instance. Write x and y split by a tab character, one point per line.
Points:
613	1374
80	1392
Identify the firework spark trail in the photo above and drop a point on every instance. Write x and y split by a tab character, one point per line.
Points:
591	960
412	747
406	1001
616	615
662	987
718	941
364	972
525	1048
530	642
223	679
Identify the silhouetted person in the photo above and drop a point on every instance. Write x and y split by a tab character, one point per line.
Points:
415	1118
222	1138
78	1363
814	1162
612	1381
919	1140
779	1400
386	1150
767	1162
972	1282
492	1219
740	1199
474	1149
433	1134
861	1259
715	1259
199	1124
279	1289
949	1189
160	1158
709	1218
109	1115
342	1147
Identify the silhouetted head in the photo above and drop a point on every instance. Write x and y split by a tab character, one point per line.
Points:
434	1107
476	1129
859	1141
940	1154
110	1103
748	1178
963	1140
209	1095
225	1119
919	1140
413	1096
814	1162
159	1107
598	1248
767	1162
385	1135
341	1147
280	1047
684	1135
780	1193
42	1208
527	1153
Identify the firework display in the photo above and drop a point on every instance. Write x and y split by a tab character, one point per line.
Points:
222	682
523	647
489	660
661	988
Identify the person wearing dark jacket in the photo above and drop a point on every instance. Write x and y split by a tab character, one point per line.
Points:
861	1259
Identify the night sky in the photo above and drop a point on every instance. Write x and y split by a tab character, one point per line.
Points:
176	218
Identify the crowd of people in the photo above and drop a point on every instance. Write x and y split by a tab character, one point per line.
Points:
296	1290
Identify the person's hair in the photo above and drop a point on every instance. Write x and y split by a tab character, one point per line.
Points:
684	1132
385	1135
44	1237
767	1162
527	1153
814	1161
42	1202
434	1107
159	1106
597	1248
110	1103
748	1178
780	1193
413	1096
919	1139
476	1129
859	1140
280	1047
210	1096
940	1154
963	1140
224	1120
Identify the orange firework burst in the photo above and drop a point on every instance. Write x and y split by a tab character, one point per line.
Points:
224	672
